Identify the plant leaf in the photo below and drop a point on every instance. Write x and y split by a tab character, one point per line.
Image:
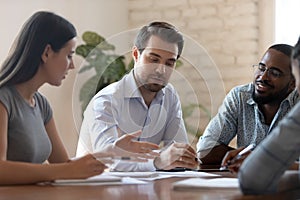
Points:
92	38
84	50
87	91
85	68
106	46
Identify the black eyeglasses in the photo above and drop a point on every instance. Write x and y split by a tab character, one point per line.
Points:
271	72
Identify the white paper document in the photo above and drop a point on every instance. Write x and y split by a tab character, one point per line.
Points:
94	180
133	174
151	176
123	178
101	179
201	183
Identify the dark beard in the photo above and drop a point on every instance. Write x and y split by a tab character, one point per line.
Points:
153	87
275	98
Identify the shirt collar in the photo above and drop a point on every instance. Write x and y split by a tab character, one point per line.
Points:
130	87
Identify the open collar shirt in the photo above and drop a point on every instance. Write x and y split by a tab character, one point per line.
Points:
240	116
120	108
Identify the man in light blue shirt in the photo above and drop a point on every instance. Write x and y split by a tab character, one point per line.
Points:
143	100
262	170
252	111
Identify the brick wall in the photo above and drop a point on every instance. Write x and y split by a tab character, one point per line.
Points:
221	46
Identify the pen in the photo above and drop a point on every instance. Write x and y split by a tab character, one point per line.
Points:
237	157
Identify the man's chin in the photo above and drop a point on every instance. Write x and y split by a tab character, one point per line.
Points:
154	87
262	99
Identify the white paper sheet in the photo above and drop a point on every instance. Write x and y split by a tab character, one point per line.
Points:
201	183
102	179
151	176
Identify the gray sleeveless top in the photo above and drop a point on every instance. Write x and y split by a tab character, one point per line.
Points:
27	138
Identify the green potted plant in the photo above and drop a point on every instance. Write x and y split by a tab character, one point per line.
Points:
100	56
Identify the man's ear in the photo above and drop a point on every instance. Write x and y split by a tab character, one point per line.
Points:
46	53
292	84
135	53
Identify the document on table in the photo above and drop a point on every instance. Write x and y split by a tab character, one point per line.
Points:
123	178
202	183
151	176
101	179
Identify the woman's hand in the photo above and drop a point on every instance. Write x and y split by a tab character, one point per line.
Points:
84	167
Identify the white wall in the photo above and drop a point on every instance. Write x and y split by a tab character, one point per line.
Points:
287	15
105	17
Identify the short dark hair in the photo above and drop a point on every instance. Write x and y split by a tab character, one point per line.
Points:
41	29
283	48
163	30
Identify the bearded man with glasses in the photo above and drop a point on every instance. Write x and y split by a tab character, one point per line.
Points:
251	111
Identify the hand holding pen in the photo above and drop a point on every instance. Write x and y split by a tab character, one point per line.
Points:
233	159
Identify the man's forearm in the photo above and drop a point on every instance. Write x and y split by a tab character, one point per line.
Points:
215	155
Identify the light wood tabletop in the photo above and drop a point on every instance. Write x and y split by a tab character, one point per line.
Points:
159	189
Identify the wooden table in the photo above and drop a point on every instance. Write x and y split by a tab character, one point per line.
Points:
159	189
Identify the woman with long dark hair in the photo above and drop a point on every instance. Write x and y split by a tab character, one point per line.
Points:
43	54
